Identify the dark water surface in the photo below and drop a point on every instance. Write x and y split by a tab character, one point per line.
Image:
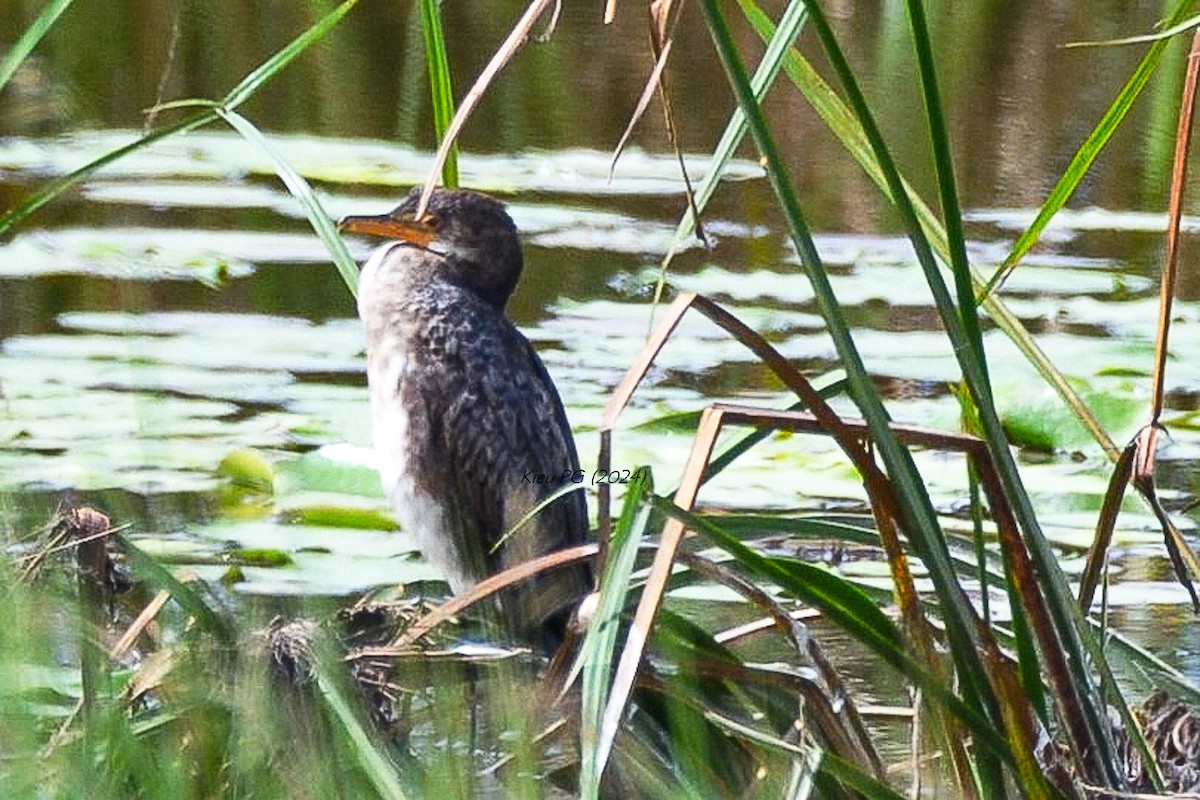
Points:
176	307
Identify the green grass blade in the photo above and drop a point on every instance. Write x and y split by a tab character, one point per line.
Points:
57	186
317	217
920	518
599	645
1148	671
239	94
854	778
187	597
1088	151
947	186
439	82
29	39
373	762
768	68
845	127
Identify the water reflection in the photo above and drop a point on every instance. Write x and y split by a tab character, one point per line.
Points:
1019	103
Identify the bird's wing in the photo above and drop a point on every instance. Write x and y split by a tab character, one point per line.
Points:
573	507
508	446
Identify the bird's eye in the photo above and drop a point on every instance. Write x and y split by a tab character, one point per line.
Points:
431	220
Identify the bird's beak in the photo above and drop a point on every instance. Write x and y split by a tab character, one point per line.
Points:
418	233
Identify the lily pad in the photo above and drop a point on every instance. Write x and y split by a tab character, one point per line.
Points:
1040	421
335	469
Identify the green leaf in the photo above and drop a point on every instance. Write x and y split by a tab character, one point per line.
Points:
30	38
599	645
1041	424
332	516
258	557
317	217
183	594
1088	151
315	472
439	82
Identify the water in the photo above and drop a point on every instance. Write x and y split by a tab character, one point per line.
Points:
176	308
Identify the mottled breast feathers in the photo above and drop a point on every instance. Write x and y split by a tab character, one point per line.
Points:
481	421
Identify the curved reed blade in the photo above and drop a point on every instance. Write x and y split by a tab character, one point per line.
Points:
372	758
245	89
736	448
831	423
1106	523
485	588
842	727
1166	33
21	49
1088	152
321	222
884	504
54	188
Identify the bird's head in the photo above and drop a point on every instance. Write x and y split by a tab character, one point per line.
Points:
472	235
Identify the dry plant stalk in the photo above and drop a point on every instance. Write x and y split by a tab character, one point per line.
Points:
839	721
481	590
852	436
662	26
1137	462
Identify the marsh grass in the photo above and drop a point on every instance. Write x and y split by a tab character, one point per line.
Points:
667	707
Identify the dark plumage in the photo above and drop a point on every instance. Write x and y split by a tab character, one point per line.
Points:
465	415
